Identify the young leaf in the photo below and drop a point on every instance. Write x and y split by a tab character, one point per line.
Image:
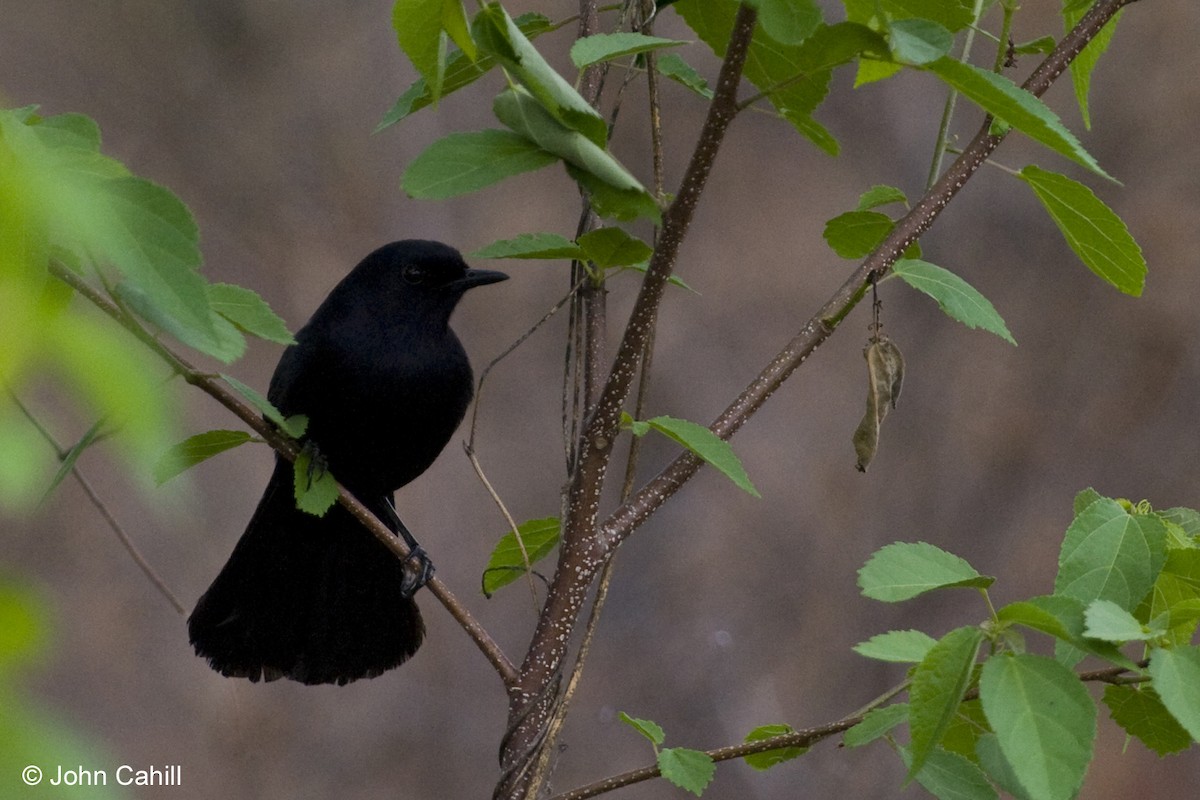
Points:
524	114
1096	234
613	247
1141	713
1176	674
194	449
293	426
460	71
532	245
951	776
648	728
856	233
507	563
938	685
901	646
465	162
674	67
1083	64
499	36
880	195
876	723
769	758
1002	98
903	570
885	378
68	461
1044	720
1110	554
691	770
918	41
418	26
957	298
607	46
788	21
1108	621
316	489
249	312
706	445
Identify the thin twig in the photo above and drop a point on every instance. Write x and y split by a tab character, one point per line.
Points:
100	506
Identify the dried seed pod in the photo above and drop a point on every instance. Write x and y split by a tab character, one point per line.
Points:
885	378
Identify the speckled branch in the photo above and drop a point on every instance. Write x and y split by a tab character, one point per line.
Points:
581	553
912	225
288	449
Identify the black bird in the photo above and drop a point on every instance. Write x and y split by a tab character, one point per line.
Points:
384	383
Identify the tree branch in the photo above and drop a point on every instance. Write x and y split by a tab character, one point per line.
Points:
581	553
288	448
908	229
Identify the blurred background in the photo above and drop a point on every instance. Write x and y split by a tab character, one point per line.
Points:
727	612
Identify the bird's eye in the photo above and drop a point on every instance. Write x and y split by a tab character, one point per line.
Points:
415	275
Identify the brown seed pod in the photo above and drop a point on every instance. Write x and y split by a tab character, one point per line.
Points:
885	378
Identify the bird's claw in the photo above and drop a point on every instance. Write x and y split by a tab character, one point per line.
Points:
418	569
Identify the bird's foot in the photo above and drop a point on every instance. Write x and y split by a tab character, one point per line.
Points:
418	569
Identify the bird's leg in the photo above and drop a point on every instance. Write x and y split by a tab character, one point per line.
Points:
419	569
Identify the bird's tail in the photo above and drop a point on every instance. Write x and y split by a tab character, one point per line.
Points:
313	599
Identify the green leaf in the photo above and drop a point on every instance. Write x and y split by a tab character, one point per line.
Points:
1096	234
614	203
957	298
966	728
903	570
249	312
993	762
507	564
1110	554
466	162
418	26
706	445
524	114
1002	98
788	21
460	71
950	14
918	41
497	35
1108	621
690	770
880	195
293	426
674	67
454	22
1083	63
194	449
769	758
856	233
1176	674
1084	499
1044	720
1059	616
1186	518
1042	44
24	619
1141	713
795	77
938	685
607	46
901	646
68	461
951	776
532	245
648	728
674	279
220	338
613	247
316	489
876	723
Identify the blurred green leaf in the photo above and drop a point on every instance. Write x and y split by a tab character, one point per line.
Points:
249	312
293	426
918	41
674	67
788	21
73	454
613	247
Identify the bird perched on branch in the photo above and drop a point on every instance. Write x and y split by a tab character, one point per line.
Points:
384	383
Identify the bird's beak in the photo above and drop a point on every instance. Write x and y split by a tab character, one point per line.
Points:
480	277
